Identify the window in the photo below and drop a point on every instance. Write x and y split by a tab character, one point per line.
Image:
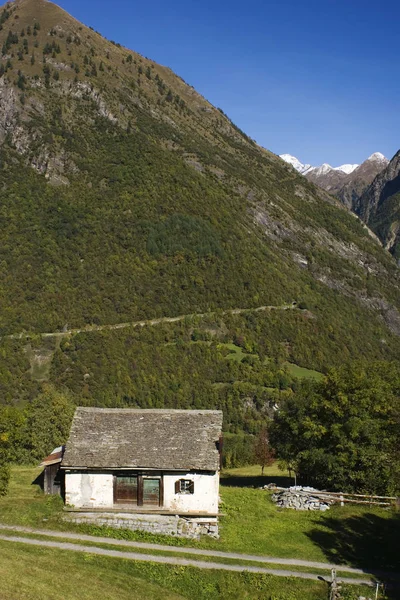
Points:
139	490
184	486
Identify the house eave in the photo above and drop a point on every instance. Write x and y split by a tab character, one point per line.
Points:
189	469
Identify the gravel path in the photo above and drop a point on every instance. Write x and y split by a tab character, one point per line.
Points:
184	549
287	562
170	560
88	328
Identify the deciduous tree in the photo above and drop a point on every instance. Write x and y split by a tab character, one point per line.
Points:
263	452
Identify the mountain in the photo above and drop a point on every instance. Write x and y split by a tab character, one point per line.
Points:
326	177
379	206
350	183
292	160
353	186
347	181
322	170
125	195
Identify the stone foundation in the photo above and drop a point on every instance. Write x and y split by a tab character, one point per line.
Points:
179	526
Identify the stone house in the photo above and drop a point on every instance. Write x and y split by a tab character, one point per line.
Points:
156	470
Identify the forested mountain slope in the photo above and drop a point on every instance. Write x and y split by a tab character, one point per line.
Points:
124	195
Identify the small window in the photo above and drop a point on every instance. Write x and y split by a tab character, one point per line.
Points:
184	486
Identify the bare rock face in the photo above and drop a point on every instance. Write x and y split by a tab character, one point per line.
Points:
8	109
326	177
386	184
379	206
358	181
348	187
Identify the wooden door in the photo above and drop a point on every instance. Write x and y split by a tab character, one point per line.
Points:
151	491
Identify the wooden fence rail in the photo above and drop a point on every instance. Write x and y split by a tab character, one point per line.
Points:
358	495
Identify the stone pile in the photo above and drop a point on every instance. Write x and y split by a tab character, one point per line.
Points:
302	498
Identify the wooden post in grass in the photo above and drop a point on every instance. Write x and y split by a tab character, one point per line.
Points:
377	591
334	589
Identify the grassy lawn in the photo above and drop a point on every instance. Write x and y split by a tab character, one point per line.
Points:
357	536
51	574
303	373
28	573
235	352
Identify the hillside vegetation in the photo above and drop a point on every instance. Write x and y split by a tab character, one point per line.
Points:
125	194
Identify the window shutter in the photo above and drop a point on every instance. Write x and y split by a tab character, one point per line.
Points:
191	487
177	486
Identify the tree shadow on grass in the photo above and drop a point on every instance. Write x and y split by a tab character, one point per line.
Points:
254	481
367	541
39	480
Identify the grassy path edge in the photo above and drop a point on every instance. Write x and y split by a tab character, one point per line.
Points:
186	550
173	560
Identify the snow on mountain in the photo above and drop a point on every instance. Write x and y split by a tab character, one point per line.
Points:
292	160
325	169
304	169
378	157
347	168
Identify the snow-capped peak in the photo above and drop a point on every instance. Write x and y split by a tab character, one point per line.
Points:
292	160
347	168
326	168
323	169
378	156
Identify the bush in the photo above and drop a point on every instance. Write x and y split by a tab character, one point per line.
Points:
238	450
4	479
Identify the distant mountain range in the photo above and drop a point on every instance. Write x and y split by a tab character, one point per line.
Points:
371	190
347	181
304	169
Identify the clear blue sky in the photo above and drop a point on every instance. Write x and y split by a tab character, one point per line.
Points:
320	80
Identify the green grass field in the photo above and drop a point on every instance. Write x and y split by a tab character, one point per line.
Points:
47	574
360	537
303	373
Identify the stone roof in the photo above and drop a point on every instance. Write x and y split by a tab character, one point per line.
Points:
111	438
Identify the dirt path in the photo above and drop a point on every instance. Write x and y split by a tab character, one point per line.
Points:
182	550
171	560
144	323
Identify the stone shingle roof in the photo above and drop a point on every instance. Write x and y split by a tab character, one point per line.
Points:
108	438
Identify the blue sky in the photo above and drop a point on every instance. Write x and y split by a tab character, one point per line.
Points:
319	80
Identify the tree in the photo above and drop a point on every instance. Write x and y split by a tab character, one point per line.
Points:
342	433
263	452
11	430
48	421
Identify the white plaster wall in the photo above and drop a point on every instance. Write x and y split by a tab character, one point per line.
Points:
88	490
204	499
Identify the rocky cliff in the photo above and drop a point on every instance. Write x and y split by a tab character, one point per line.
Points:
379	206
